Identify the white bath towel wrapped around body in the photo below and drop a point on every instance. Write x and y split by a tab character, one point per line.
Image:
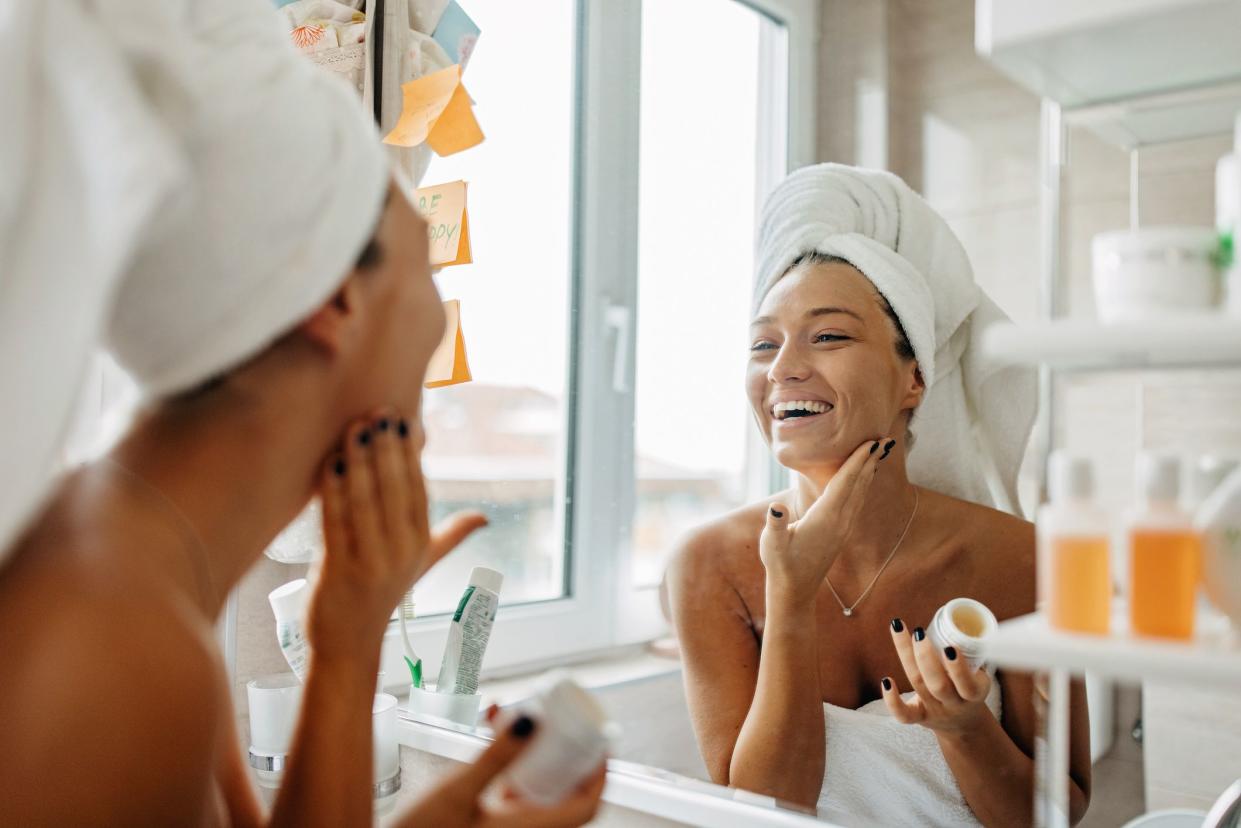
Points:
975	418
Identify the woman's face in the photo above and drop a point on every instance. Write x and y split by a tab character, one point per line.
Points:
404	316
823	337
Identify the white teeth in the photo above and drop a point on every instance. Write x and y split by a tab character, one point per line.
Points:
813	406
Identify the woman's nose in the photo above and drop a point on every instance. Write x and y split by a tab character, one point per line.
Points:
789	365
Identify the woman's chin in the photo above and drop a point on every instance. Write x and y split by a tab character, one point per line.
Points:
809	460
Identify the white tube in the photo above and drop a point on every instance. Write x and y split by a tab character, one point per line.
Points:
289	604
469	631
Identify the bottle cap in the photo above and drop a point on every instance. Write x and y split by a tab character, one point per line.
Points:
1158	477
486	578
288	602
1070	477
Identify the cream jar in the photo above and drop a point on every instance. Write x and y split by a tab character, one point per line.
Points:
1154	272
963	623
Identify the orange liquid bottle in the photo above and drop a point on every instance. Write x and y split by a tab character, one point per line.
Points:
1165	555
1075	583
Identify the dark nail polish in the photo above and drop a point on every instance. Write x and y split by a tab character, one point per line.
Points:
874	448
402	429
774	513
339	468
887	449
951	652
382	425
523	727
887	684
919	634
364	437
897	626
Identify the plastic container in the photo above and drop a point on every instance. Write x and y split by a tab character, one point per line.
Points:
1219	522
1164	554
274	703
572	739
963	623
457	708
1154	272
1074	547
469	632
386	751
289	603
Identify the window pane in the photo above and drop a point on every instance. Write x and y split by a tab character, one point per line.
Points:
700	125
496	444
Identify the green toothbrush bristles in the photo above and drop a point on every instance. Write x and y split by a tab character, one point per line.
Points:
415	671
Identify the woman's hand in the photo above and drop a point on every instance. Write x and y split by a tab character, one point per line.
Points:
456	802
798	555
375	525
951	695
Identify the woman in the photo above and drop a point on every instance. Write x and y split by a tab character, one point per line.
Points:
802	617
255	269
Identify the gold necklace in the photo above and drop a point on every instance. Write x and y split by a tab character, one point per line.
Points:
207	593
848	610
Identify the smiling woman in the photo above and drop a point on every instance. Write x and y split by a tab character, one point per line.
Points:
845	346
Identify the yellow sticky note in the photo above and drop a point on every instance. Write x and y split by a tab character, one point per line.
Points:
448	222
449	364
456	129
426	98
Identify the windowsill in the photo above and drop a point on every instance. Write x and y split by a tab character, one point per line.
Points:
611	668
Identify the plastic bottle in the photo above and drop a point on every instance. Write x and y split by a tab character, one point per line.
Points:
1075	584
289	604
963	623
1219	522
1164	554
572	738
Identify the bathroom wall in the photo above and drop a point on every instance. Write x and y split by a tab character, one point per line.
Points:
902	87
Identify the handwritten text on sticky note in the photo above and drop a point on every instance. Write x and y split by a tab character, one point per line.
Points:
448	222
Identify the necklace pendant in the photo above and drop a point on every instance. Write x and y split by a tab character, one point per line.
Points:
848	611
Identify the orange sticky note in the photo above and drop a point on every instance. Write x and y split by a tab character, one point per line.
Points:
449	364
426	98
448	222
456	129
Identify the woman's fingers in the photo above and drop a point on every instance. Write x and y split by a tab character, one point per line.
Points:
971	684
846	492
930	661
578	808
473	779
448	535
775	535
903	641
392	479
332	496
410	435
905	712
360	494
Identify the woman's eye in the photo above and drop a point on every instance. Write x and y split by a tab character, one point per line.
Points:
827	337
762	346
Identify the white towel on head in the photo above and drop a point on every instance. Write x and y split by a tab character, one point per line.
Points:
975	417
186	168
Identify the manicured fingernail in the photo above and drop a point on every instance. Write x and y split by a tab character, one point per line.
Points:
523	727
402	428
492	710
897	626
951	652
919	634
339	467
887	684
774	513
887	449
875	447
364	437
382	425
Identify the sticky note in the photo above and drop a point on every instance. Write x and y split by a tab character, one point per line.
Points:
448	222
456	33
426	98
449	364
456	129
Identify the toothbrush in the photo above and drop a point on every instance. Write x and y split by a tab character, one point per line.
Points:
411	658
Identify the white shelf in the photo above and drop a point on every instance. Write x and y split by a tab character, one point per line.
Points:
1212	659
1209	341
1136	72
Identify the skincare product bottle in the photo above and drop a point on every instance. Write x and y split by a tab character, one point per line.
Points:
963	623
1164	554
469	631
572	738
1219	522
1075	585
289	604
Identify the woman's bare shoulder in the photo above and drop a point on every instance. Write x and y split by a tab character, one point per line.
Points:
1001	549
724	547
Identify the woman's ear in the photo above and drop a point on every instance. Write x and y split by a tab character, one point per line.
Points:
915	389
331	325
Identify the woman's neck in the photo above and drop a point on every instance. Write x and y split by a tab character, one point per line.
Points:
236	471
887	509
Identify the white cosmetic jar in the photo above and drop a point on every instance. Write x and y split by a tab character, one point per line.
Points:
963	623
1154	272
